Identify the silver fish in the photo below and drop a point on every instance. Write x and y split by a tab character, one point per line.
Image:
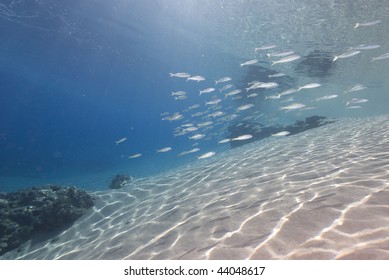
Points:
181	97
356	87
252	95
179	75
178	93
242	137
249	62
293	106
216	114
286	59
174	117
213	102
346	54
309	86
384	56
327	97
196	78
234	92
280	53
194	106
120	140
224	141
281	133
356	101
228	86
197	136
366	47
206	155
164	150
223	80
188	152
276	75
369	23
266	47
288	91
207	90
135	156
245	107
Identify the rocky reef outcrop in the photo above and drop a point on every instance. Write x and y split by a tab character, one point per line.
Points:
25	212
120	181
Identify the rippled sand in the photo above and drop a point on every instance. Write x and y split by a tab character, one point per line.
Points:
321	194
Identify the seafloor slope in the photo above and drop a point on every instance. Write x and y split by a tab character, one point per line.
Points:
320	194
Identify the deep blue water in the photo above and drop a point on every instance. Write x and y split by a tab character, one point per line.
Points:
76	76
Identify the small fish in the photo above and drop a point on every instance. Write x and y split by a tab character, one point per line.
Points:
282	133
276	75
288	91
213	102
366	47
164	150
120	140
286	59
179	75
188	152
207	90
187	125
268	85
254	85
327	97
174	117
206	155
280	54
228	86
223	80
233	92
181	97
252	95
245	107
249	62
216	114
198	114
224	141
353	107
165	113
276	96
197	136
293	106
266	47
346	54
194	106
204	124
242	137
309	86
364	24
189	129
356	101
196	78
178	93
356	87
384	56
135	156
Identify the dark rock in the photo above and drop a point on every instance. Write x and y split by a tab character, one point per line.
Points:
119	181
28	211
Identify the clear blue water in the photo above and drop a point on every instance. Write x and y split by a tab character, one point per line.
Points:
76	76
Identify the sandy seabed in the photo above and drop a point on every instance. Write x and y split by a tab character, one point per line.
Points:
321	194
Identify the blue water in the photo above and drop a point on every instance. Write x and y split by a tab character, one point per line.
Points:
76	76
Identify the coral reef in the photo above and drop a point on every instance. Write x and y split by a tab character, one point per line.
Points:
119	181
47	208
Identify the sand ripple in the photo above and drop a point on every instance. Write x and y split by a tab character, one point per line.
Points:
321	194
